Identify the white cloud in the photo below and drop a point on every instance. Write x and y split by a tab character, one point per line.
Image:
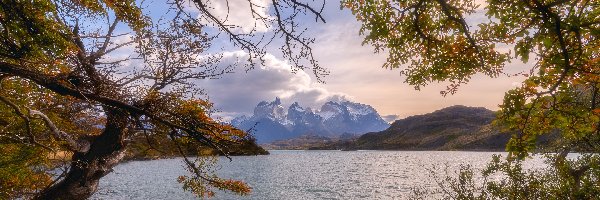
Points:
123	52
239	92
242	14
356	71
390	118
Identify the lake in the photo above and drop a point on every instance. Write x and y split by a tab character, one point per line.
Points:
300	174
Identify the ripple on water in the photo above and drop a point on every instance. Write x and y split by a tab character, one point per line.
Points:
297	175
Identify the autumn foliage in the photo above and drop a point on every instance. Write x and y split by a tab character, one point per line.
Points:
558	43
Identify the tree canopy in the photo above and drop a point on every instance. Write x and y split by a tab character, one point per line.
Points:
557	41
65	93
69	103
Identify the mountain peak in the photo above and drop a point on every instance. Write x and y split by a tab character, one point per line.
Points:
295	104
333	119
272	110
295	107
262	103
277	101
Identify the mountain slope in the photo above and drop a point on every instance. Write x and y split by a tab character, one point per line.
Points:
349	117
271	121
451	128
435	130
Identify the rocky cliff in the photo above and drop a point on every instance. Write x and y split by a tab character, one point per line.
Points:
271	121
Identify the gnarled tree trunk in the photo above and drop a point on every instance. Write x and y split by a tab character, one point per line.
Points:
106	151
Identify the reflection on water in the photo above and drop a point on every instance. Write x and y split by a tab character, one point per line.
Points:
298	175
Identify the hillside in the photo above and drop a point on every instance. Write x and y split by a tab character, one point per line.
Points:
307	141
451	128
142	147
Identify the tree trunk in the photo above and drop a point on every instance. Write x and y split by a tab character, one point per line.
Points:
106	151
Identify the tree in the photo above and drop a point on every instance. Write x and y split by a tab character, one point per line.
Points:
65	91
436	40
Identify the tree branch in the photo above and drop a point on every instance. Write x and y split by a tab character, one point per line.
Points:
27	120
102	50
81	146
58	85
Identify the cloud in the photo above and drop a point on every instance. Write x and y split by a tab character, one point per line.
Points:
239	92
356	71
390	118
242	14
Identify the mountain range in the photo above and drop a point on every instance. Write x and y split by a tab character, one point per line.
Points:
455	127
271	121
452	128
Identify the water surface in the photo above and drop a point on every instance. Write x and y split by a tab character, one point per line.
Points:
300	174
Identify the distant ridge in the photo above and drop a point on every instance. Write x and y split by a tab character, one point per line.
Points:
452	128
271	121
455	127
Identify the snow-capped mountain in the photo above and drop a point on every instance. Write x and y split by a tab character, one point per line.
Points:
271	121
271	110
350	117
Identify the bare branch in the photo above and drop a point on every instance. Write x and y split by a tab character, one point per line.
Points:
317	14
81	146
27	121
58	85
102	50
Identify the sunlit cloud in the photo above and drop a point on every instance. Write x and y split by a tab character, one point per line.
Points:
390	118
356	72
241	16
238	92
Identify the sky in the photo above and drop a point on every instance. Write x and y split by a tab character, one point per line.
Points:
356	73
